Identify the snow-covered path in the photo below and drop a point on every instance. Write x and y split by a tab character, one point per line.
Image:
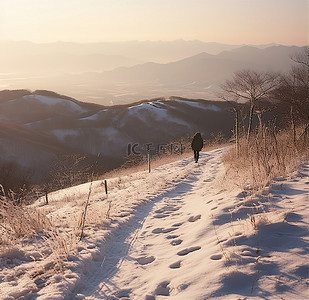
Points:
182	232
160	239
203	240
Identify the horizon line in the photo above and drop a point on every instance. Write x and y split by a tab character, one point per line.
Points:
148	41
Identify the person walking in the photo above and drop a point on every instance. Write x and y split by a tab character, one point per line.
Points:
197	145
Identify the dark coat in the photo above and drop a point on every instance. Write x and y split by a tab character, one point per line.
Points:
197	143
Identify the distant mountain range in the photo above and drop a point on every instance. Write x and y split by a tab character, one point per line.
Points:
126	72
36	127
134	51
198	76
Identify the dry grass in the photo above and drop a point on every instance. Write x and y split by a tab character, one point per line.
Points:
61	246
19	221
267	154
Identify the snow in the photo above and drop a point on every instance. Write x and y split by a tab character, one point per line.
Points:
111	134
37	123
154	110
52	101
159	113
180	232
95	116
200	105
62	134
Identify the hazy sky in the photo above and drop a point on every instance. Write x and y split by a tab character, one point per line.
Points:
227	21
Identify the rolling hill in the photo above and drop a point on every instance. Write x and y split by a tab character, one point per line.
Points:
36	127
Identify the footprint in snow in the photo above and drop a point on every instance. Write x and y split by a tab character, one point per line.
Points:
246	253
208	180
176	242
162	230
216	257
168	208
163	289
124	293
177	224
175	265
175	199
160	216
145	260
172	236
169	230
194	218
40	283
292	217
188	250
157	230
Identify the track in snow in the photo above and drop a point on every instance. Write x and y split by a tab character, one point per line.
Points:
140	245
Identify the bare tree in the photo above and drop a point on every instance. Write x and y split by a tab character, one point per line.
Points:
16	182
238	110
300	73
293	93
302	58
69	170
285	94
250	86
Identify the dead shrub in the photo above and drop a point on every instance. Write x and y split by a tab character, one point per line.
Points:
19	221
269	153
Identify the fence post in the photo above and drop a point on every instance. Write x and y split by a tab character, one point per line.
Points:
105	183
46	197
148	156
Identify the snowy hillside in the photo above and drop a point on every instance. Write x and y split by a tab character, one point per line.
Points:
91	129
180	232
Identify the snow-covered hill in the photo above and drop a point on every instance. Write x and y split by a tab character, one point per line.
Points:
93	129
180	232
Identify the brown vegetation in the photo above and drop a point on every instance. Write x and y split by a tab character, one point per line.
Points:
273	148
267	154
18	221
